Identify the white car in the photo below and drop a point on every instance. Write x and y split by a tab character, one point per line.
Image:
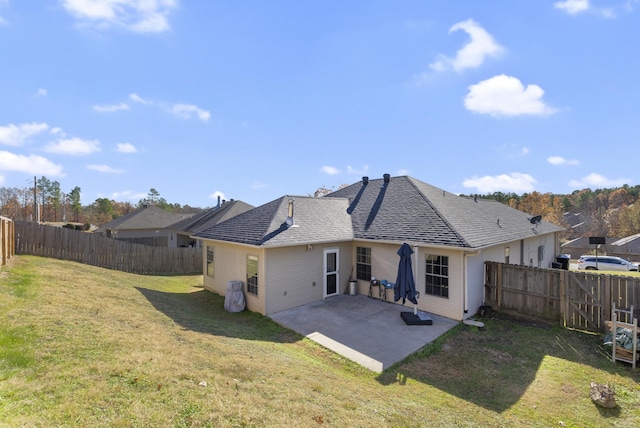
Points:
605	263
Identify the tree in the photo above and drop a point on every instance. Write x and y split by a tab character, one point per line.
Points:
76	206
43	184
55	198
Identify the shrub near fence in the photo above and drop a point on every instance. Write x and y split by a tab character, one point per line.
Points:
66	244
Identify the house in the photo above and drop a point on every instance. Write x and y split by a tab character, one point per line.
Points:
185	228
298	249
146	225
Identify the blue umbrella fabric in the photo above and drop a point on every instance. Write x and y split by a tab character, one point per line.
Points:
405	287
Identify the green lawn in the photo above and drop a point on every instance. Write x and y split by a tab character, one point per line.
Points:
85	346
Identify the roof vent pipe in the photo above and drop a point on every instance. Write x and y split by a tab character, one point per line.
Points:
218	200
365	180
289	220
386	177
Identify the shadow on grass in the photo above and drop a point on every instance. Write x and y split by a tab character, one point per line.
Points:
494	367
204	312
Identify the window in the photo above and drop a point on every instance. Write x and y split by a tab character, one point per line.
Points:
507	252
252	275
210	264
363	263
437	275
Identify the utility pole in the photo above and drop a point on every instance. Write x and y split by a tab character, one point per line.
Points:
36	214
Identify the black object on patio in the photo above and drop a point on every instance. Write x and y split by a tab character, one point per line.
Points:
405	289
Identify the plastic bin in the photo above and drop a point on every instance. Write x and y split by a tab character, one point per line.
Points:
563	260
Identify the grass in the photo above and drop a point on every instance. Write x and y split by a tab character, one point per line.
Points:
85	346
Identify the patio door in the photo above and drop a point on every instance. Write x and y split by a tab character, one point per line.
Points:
331	279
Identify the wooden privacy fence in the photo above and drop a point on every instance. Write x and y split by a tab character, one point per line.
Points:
7	246
580	300
67	244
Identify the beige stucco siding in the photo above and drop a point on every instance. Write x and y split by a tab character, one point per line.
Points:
384	265
295	275
520	251
231	265
451	306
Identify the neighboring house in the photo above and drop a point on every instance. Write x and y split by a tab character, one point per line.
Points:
146	225
580	246
184	229
297	250
627	247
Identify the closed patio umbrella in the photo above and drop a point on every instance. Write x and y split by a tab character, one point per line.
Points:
405	287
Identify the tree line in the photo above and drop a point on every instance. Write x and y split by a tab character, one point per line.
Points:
613	212
46	201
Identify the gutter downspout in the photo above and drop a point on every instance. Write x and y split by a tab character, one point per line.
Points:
415	274
465	275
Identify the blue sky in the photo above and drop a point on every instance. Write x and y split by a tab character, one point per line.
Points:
252	100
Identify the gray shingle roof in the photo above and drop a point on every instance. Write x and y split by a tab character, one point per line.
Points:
315	220
208	218
400	210
150	217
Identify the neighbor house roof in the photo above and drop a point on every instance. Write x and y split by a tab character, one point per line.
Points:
397	209
210	217
150	217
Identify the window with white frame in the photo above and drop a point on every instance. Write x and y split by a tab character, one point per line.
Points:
211	267
363	263
252	275
437	275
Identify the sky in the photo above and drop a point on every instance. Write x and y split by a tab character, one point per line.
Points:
253	100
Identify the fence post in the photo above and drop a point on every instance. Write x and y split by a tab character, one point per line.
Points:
499	285
564	300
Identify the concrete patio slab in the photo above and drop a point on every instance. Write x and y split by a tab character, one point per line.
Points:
365	330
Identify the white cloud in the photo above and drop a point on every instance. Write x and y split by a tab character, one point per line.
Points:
2	20
33	164
351	170
126	148
17	135
105	168
188	110
473	54
559	160
73	146
572	6
401	172
41	92
514	182
506	96
330	170
218	194
110	108
598	181
142	16
138	99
